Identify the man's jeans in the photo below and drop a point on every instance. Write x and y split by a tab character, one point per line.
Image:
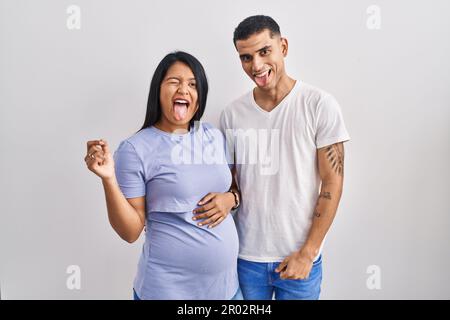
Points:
259	281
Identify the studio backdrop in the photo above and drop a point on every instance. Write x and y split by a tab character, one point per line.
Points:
73	71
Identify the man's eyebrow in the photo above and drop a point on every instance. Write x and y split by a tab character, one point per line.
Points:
267	47
264	48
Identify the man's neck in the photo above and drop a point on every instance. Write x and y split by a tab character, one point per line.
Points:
269	99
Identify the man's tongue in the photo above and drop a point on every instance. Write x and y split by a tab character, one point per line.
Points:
180	111
262	81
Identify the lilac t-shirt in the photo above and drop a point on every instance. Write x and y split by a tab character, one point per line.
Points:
179	259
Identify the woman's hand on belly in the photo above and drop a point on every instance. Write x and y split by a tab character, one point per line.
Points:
214	208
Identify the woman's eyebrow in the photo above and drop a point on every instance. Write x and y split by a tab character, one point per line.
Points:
176	78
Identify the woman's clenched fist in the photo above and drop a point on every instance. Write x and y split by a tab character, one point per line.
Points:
99	159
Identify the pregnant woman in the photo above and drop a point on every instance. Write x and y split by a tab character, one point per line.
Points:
172	178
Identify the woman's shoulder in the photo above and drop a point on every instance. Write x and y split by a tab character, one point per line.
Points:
143	140
208	126
211	130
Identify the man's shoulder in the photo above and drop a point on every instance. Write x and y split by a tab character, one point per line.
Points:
313	97
313	93
242	102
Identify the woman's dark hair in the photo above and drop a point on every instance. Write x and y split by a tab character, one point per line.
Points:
153	113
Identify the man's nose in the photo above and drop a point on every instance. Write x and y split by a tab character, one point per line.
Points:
257	65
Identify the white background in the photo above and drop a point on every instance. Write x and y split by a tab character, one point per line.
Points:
60	88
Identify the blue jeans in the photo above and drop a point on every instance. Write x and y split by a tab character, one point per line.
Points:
237	296
135	296
259	281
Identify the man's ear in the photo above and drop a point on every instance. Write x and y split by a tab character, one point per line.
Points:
284	46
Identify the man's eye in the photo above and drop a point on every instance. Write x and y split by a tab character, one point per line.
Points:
265	52
245	58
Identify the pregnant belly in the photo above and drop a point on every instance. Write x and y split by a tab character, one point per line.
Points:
175	243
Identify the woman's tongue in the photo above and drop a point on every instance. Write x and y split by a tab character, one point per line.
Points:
180	111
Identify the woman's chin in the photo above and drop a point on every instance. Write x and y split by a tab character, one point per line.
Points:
181	122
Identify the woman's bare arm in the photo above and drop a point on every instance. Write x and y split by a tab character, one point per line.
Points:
126	216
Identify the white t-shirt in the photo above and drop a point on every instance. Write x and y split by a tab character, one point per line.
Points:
275	154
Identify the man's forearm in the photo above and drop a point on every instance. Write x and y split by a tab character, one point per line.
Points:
234	187
324	213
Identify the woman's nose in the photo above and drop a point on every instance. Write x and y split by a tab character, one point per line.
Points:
182	89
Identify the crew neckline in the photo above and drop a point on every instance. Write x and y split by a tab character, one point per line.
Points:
173	135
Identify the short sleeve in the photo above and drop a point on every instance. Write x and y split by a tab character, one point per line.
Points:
223	125
228	136
129	171
330	126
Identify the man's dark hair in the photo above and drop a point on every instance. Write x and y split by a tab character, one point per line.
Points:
255	24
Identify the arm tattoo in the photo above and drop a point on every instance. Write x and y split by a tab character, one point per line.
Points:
316	213
335	155
326	195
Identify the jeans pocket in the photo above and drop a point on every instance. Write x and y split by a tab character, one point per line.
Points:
318	261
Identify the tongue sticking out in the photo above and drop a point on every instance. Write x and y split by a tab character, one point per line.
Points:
262	81
180	111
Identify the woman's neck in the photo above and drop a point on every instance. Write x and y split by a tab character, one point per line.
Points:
171	128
